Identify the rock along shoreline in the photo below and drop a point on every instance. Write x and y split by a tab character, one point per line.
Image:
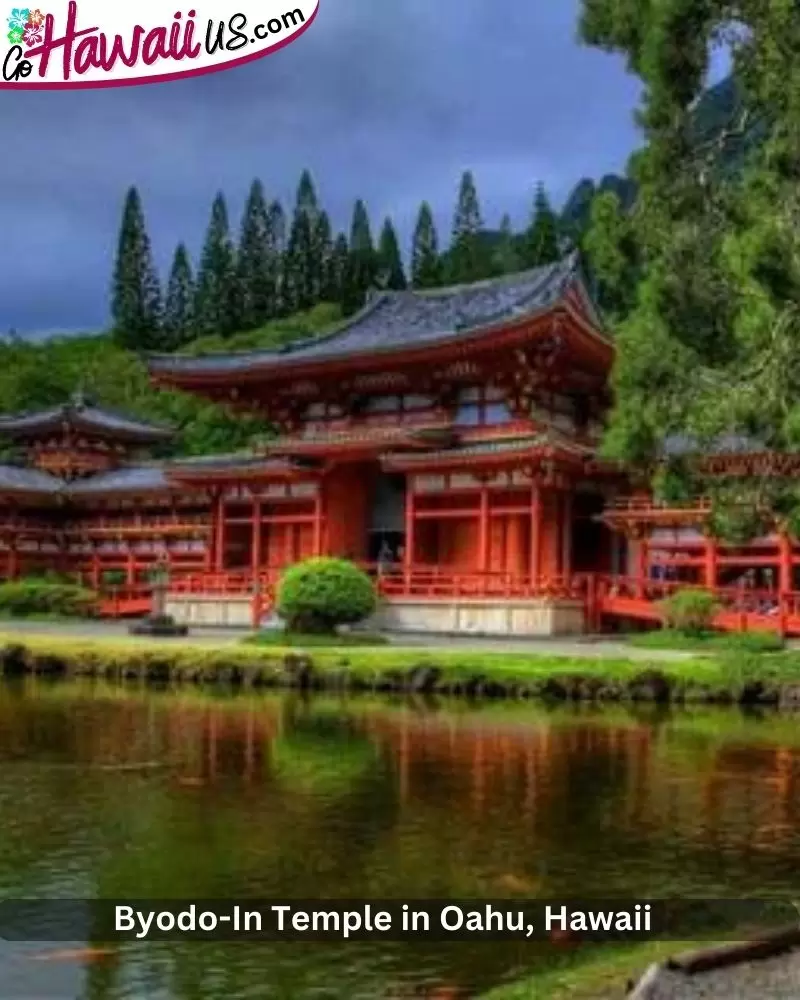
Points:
420	672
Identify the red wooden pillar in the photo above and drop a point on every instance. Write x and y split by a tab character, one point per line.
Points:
410	540
130	571
643	564
710	563
317	542
566	534
785	575
219	535
95	569
255	551
483	536
534	561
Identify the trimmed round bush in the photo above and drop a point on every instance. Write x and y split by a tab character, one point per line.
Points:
690	611
318	595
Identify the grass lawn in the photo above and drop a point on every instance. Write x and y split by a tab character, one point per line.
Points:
710	642
284	640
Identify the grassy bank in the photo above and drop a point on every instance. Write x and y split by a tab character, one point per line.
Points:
600	973
757	679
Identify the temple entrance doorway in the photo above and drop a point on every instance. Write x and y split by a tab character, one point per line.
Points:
386	530
592	541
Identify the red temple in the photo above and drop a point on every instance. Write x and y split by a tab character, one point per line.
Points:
445	439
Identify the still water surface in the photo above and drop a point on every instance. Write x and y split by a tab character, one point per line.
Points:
280	797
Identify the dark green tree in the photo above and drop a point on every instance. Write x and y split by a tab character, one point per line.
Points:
505	257
362	262
179	320
390	264
466	258
426	264
323	237
337	270
277	228
216	310
611	251
135	296
257	262
710	345
541	240
304	264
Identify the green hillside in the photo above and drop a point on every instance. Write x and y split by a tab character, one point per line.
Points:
35	375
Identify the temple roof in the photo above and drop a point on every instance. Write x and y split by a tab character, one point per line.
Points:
397	321
238	463
549	443
133	479
80	413
354	438
14	479
685	446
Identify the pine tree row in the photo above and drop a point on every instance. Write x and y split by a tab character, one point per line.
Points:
269	273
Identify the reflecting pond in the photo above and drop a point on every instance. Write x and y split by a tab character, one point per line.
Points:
123	792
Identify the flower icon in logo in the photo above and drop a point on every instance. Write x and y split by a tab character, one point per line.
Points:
19	18
15	36
32	34
35	18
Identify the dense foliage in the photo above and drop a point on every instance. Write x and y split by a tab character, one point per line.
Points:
318	595
690	612
708	345
34	375
42	596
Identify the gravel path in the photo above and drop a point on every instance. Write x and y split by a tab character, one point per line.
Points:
771	979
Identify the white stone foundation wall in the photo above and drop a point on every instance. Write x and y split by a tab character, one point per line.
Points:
514	618
539	618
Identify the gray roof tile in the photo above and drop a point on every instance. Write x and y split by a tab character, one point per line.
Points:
18	480
684	445
81	413
126	479
398	320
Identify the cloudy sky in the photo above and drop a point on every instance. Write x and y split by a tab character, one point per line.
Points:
388	100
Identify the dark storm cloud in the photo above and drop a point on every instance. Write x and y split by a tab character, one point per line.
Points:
389	101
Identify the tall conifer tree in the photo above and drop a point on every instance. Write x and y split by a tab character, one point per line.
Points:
390	265
505	259
541	240
256	262
277	228
216	312
337	272
304	253
179	322
135	299
466	259
426	264
362	264
324	240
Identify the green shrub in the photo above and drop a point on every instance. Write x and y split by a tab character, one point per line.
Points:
31	596
689	611
318	595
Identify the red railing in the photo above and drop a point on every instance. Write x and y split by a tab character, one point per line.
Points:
604	596
126	600
433	582
742	609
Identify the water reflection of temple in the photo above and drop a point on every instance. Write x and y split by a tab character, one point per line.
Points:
521	768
